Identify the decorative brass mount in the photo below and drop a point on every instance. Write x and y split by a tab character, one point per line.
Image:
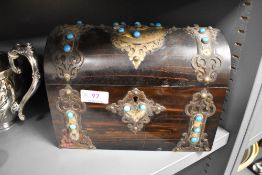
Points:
135	109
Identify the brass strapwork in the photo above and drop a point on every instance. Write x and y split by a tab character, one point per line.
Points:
199	109
207	62
69	59
70	105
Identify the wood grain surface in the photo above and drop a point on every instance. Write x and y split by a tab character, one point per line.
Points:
166	76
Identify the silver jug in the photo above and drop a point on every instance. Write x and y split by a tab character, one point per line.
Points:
9	84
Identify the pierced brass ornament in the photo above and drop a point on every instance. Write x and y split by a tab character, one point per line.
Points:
151	39
135	109
69	103
69	62
207	62
199	109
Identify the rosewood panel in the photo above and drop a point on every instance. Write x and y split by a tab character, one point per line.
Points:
106	130
104	64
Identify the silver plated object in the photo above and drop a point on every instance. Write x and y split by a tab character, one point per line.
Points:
9	93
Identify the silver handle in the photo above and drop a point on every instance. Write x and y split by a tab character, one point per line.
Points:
27	51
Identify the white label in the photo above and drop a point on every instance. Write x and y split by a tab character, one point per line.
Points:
94	96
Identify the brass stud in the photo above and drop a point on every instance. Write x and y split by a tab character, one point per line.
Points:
204	95
207	79
67	77
207	52
136	58
68	91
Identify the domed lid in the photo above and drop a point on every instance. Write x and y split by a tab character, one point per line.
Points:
4	63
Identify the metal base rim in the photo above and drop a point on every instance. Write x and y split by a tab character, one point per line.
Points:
6	126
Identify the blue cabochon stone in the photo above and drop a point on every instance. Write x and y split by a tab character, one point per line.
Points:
136	34
67	48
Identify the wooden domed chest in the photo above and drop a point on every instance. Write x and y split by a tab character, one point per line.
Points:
136	87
